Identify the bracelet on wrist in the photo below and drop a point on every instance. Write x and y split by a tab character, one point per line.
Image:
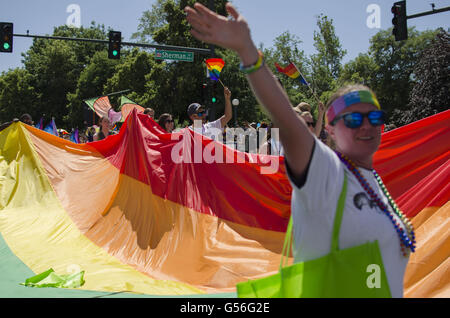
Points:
254	67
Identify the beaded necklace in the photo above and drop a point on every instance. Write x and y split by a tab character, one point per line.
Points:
407	240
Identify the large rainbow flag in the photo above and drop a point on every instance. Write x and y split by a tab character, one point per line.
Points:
141	222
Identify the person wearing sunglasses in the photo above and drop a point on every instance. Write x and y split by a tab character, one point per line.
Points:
150	112
316	172
166	121
198	115
309	120
304	110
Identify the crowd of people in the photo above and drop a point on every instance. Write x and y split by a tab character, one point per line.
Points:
266	144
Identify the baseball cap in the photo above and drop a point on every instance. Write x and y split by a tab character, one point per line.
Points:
193	108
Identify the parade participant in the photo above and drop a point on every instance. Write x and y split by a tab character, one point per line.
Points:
105	129
166	121
197	114
27	119
316	173
149	111
304	110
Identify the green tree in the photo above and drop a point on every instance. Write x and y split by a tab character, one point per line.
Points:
326	63
17	95
362	69
84	51
395	61
54	72
150	22
284	51
429	94
91	83
56	67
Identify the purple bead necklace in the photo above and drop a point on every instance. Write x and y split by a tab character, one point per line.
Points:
407	240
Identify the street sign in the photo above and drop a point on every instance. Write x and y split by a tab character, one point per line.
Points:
174	55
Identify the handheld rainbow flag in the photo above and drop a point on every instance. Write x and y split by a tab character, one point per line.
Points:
215	66
292	71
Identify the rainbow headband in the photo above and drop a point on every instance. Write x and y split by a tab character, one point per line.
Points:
349	99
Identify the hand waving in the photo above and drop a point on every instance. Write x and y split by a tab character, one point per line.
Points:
210	27
322	107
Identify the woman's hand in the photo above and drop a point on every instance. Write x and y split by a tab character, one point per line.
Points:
231	33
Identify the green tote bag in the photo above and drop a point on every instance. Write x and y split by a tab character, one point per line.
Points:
355	272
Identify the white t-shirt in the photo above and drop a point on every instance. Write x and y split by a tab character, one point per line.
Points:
314	207
210	129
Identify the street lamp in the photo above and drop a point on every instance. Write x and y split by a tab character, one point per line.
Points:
235	103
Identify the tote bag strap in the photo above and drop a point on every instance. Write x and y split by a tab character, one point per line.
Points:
336	228
287	245
338	217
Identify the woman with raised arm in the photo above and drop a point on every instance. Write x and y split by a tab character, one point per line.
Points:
316	172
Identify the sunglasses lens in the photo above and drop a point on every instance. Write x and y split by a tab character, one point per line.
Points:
353	120
376	118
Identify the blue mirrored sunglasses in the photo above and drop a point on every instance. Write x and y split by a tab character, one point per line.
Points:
355	119
200	114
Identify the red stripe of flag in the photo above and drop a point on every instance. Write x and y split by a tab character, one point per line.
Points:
289	70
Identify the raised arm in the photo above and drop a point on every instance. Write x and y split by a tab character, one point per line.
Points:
228	111
234	34
319	123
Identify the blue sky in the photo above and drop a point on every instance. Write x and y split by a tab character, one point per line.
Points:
267	19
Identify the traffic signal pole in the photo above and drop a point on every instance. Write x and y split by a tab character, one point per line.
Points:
144	45
399	21
428	13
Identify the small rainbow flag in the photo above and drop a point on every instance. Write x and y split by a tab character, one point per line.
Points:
215	66
292	71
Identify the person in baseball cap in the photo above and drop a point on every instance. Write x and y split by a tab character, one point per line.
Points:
197	112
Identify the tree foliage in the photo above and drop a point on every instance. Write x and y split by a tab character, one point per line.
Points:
326	63
286	49
58	75
430	93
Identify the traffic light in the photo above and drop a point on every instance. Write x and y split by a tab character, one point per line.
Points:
400	30
115	39
204	93
6	37
213	92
